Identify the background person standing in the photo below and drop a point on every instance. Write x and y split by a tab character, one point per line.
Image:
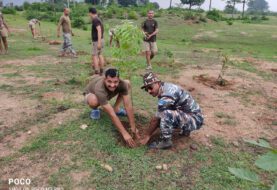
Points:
4	30
150	29
97	36
65	23
32	25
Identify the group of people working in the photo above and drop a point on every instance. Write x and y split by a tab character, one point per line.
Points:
176	107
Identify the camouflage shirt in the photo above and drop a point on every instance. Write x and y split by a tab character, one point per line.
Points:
173	97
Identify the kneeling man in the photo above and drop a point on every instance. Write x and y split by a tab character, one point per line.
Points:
176	109
103	88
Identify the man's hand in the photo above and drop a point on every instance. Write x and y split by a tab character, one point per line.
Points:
130	142
144	140
136	133
99	46
148	37
72	34
58	34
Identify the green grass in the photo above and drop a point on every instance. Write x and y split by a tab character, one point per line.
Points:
67	149
134	168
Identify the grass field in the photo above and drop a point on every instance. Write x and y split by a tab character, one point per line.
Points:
42	110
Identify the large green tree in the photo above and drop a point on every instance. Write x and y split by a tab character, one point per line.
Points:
192	3
94	2
126	3
257	6
231	4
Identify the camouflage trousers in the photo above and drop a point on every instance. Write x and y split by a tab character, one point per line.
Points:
67	44
172	119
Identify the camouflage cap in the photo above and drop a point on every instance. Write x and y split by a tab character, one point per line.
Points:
148	79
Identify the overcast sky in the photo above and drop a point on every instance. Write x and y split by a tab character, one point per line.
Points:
218	4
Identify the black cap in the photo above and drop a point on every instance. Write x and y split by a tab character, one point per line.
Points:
92	10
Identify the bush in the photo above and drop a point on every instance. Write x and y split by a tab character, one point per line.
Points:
8	10
143	13
121	15
264	18
255	18
202	19
18	8
47	16
85	27
108	14
132	15
229	22
189	16
78	22
158	14
26	5
214	15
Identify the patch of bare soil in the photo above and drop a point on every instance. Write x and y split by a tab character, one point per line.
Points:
13	109
34	61
213	82
79	177
17	30
203	35
208	50
179	142
23	166
260	64
38	168
11	143
54	42
82	53
59	96
243	121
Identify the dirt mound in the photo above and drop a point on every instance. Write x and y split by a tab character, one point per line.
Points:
214	83
54	42
82	53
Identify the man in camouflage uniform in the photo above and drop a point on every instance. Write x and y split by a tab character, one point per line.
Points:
65	24
176	109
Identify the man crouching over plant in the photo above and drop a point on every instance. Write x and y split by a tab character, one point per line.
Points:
103	88
176	109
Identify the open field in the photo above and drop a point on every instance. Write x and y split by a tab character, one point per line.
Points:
42	109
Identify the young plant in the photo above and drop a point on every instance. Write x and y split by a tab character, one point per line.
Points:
130	38
220	80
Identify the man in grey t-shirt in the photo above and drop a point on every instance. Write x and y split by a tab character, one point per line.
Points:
150	29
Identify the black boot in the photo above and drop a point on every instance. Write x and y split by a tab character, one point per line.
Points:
185	133
163	144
